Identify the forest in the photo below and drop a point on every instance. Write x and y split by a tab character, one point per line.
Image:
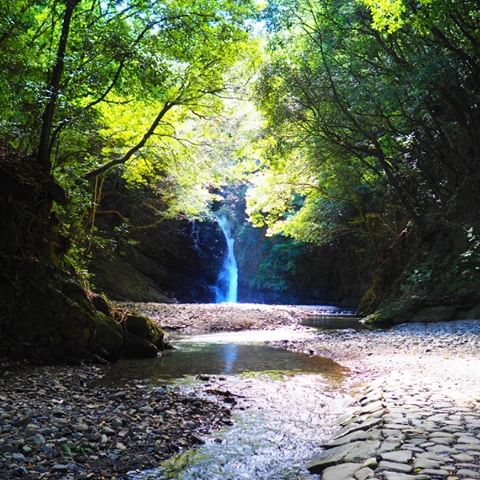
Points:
229	228
348	129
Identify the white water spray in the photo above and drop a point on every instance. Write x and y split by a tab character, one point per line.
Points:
226	289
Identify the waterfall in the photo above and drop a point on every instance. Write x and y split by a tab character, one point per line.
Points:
226	288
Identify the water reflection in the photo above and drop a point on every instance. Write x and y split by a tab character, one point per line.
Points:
197	358
282	417
230	353
278	428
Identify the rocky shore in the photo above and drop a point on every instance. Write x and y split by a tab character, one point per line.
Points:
416	415
417	411
64	423
224	317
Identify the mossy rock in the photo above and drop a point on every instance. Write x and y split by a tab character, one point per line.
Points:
473	313
146	328
102	304
435	314
138	347
109	338
400	310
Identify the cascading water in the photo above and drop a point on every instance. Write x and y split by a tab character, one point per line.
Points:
226	289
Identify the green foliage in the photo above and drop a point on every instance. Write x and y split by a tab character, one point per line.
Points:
368	130
268	263
141	83
387	15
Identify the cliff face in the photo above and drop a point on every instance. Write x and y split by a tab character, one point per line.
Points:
158	261
175	260
46	315
280	270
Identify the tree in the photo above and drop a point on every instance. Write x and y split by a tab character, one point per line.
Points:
372	109
70	68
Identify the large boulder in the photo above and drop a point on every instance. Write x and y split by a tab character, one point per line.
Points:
144	338
109	337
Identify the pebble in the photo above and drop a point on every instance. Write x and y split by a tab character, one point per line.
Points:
93	427
430	417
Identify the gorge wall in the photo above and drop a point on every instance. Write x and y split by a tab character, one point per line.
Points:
180	260
155	260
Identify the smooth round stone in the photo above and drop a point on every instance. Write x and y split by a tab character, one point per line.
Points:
38	439
463	457
18	457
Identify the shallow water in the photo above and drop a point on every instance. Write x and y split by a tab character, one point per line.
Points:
287	406
222	354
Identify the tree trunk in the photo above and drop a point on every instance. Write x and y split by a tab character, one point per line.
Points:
53	88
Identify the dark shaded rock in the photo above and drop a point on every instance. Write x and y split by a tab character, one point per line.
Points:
45	314
109	338
145	328
473	313
143	337
159	260
432	287
435	314
137	347
102	303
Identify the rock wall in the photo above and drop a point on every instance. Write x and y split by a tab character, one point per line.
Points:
439	283
280	270
172	260
46	314
157	260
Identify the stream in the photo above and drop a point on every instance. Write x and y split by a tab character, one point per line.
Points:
287	405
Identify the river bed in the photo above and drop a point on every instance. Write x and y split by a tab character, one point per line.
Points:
286	405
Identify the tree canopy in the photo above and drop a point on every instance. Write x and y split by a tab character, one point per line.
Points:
373	109
368	123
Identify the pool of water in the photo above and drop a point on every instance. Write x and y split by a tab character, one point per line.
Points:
224	354
287	406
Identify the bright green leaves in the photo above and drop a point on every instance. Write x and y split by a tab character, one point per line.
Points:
367	100
387	15
142	90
